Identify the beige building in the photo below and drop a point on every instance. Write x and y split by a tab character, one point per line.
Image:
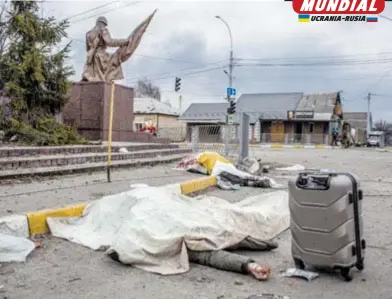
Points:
162	116
291	117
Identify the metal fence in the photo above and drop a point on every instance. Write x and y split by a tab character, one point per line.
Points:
212	137
238	140
200	138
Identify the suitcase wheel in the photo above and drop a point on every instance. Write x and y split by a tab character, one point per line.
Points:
345	273
360	265
299	264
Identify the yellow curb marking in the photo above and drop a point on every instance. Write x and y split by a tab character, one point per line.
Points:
37	220
198	184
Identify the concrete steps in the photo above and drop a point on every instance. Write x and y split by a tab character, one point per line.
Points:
77	149
43	161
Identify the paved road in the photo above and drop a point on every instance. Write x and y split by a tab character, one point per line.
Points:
63	270
59	191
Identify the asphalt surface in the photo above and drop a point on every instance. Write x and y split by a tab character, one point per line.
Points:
19	197
61	269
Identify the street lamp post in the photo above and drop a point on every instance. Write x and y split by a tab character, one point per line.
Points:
230	74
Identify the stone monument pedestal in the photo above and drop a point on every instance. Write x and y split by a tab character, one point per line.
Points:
88	110
89	106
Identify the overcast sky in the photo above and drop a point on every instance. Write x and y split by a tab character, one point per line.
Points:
186	40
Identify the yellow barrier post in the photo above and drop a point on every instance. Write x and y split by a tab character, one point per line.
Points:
109	160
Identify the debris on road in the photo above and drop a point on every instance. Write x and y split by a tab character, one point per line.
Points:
296	167
226	185
249	165
268	296
265	169
134	186
230	177
294	272
191	164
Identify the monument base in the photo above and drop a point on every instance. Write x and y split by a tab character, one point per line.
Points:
88	110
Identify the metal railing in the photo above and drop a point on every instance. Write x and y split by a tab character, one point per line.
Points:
211	137
204	137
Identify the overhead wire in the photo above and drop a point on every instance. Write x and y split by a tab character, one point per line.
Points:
107	11
361	94
170	74
179	74
321	63
329	63
92	9
315	57
144	55
385	17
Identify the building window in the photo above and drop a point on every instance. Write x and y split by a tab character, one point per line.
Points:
310	127
138	126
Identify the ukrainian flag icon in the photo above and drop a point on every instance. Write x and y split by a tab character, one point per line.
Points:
304	18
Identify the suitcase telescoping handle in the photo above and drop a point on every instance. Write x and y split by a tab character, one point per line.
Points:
317	180
354	197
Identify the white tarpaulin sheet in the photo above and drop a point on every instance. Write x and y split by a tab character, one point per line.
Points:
14	249
150	228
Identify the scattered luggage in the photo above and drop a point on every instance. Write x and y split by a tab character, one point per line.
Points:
326	221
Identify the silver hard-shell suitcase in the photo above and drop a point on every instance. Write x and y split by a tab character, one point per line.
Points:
326	221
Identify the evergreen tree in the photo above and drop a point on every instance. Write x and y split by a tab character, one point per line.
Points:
35	75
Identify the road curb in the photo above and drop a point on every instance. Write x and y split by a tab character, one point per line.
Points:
198	185
37	220
278	146
34	223
89	167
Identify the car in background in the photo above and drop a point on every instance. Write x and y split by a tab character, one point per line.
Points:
376	139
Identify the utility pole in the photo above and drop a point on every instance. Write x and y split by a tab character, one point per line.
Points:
368	114
231	68
230	74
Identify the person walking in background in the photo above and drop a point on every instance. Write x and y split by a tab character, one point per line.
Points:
335	134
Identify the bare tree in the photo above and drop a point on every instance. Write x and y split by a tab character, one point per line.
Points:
3	36
385	127
167	102
3	25
145	89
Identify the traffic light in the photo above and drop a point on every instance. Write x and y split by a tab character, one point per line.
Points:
177	85
231	109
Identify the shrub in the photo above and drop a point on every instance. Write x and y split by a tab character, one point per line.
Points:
48	132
